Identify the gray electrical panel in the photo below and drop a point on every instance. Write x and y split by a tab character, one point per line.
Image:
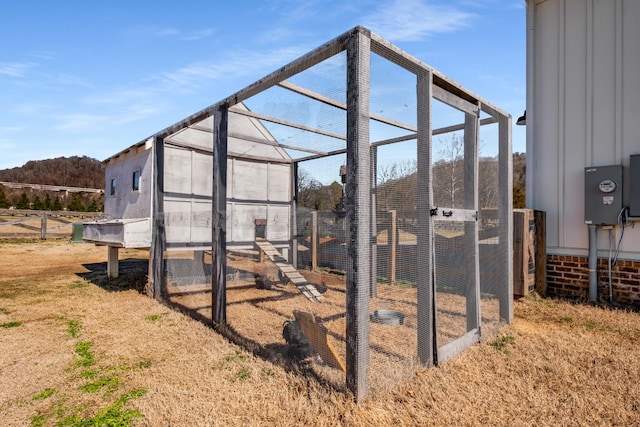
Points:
634	185
602	194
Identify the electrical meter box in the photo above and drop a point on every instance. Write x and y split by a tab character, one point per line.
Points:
634	185
602	194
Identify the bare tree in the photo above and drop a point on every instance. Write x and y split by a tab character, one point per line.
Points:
448	171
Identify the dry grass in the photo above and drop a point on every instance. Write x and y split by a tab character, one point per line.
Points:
74	348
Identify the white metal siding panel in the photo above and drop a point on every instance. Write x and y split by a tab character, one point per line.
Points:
630	102
177	220
279	183
201	223
243	221
586	103
195	138
575	121
250	180
278	223
177	170
546	174
202	179
604	89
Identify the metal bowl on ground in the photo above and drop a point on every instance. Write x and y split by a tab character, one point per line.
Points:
388	317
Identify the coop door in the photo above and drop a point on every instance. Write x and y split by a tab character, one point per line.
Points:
456	281
456	278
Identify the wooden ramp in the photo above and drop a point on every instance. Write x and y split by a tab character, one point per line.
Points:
287	270
317	335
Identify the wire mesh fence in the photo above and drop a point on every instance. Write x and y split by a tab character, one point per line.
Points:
364	220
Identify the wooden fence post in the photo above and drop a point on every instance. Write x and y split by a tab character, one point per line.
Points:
541	252
43	226
314	241
392	243
518	236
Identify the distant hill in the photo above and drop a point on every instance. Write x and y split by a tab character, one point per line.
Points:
84	172
70	171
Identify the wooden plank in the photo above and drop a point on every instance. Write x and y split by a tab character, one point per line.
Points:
541	252
518	231
317	335
290	273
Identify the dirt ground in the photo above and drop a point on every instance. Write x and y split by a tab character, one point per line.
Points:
78	349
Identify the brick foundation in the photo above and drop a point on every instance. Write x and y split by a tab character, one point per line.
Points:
568	277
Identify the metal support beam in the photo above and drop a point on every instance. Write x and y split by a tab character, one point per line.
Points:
505	215
358	198
424	282
158	237
219	237
472	250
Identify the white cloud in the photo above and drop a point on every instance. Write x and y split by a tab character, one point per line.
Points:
197	35
413	20
160	32
14	69
238	63
80	122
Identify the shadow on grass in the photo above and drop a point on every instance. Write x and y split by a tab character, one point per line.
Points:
132	274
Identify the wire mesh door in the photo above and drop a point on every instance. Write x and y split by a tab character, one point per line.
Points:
455	241
455	280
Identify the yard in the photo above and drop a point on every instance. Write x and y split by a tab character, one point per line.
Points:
77	349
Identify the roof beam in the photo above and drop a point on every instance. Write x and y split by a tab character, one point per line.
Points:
332	102
287	123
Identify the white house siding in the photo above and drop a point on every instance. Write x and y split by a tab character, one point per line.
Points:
583	109
127	203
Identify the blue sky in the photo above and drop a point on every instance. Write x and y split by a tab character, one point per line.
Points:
91	78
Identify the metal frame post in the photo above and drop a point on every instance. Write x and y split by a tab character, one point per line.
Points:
219	237
424	282
358	198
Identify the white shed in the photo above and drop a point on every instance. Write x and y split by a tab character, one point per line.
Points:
583	104
259	176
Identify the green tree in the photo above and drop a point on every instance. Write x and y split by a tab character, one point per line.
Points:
37	204
24	202
4	202
47	202
76	204
93	207
56	206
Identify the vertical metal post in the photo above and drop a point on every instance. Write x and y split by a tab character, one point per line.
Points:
358	198
424	282
472	252
156	261
219	207
505	216
374	229
294	215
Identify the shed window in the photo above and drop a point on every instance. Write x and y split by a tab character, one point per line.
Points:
135	184
112	191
